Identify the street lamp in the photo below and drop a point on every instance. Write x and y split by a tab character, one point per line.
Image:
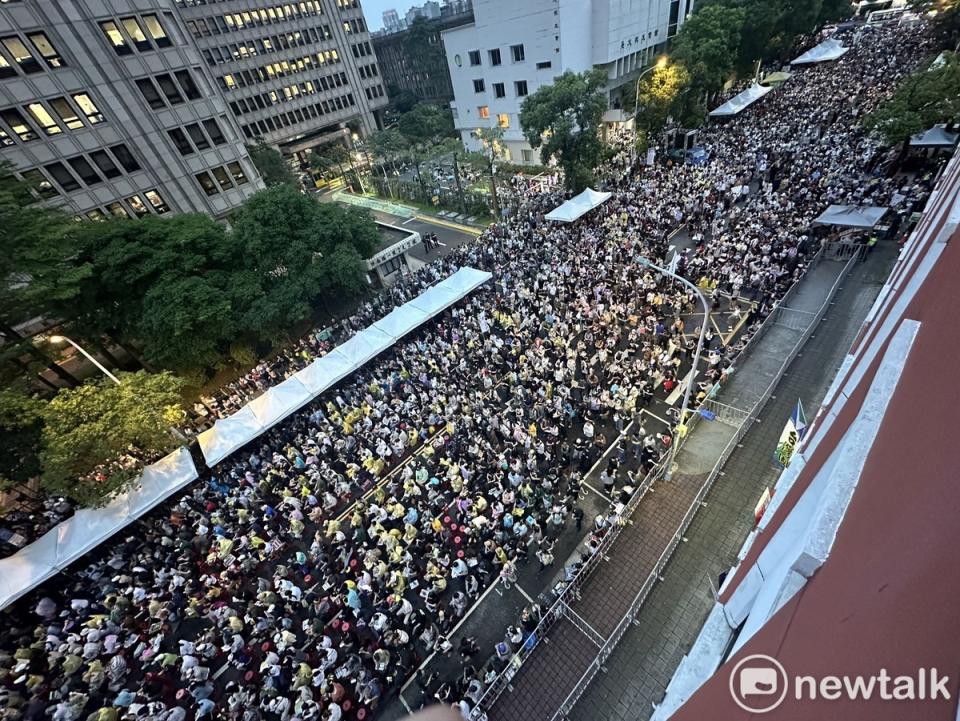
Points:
660	64
668	473
108	374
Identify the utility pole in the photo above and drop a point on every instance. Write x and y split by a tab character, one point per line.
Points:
456	175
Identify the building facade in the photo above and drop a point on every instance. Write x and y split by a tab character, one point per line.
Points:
294	74
511	49
414	59
107	108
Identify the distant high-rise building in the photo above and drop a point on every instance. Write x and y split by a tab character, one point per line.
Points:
295	74
107	109
391	21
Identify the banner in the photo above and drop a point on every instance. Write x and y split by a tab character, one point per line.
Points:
791	436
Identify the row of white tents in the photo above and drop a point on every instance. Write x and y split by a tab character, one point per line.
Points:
88	528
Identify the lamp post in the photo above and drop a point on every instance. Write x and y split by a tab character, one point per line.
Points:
661	63
98	364
668	473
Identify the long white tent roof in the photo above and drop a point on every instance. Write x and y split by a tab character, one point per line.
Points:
88	528
232	433
851	216
829	49
578	206
741	101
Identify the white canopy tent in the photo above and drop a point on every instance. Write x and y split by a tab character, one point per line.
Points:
740	101
829	49
578	206
232	433
88	528
851	216
936	137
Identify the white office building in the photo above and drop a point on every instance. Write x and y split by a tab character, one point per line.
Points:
513	48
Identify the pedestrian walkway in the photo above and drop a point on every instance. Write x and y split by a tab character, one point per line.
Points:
639	670
655	528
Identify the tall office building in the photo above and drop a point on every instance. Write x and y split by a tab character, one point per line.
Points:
295	74
107	107
511	49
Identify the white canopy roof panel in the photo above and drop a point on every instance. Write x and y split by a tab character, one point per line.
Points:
228	434
829	49
402	320
280	401
578	206
741	101
936	137
851	216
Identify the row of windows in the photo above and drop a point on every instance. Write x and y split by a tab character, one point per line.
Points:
298	115
351	27
136	206
16	54
51	117
266	73
290	92
195	138
269	44
254	18
375	92
500	90
173	92
516	52
83	171
226	177
362	50
369	71
145	33
347	4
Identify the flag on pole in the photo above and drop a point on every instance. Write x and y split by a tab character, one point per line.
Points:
793	432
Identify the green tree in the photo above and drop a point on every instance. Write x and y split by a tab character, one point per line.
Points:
707	46
89	433
492	151
387	146
21	422
426	124
271	165
929	96
659	92
563	120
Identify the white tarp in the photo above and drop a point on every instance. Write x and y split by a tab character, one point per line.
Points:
740	101
851	216
829	49
937	137
86	529
232	433
578	205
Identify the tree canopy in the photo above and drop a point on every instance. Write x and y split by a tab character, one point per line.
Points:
563	121
426	124
271	165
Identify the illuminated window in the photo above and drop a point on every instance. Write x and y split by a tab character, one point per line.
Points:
21	55
18	125
139	207
136	33
154	198
155	28
115	37
222	178
118	210
68	116
46	50
6	70
483	111
88	108
237	172
503	120
44	119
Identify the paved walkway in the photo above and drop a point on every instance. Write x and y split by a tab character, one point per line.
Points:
639	670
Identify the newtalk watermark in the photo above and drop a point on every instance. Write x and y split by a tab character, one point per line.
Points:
759	684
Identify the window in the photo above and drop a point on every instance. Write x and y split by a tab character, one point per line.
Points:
237	172
499	90
154	198
213	130
88	108
503	120
18	125
5	139
104	163
188	85
180	140
139	207
478	86
520	87
6	70
39	183
46	50
516	51
96	214
118	210
136	34
115	37
544	66
150	94
527	155
222	178
125	158
68	116
206	182
44	119
156	31
169	89
495	57
483	112
59	173
21	56
197	136
474	57
86	172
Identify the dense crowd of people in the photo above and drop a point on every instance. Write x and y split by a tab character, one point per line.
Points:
311	572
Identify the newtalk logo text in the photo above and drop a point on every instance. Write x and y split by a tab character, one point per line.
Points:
759	684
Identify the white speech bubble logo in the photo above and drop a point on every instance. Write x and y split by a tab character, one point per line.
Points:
758	679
